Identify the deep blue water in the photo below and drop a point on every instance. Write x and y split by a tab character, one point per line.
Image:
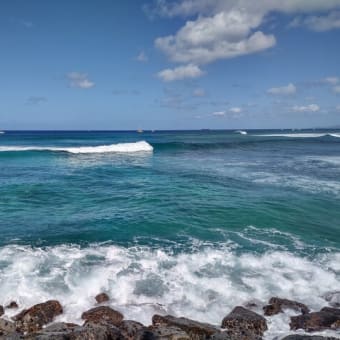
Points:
239	207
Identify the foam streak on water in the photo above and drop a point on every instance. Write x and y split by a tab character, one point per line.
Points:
204	285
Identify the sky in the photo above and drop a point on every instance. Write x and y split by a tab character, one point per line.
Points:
159	64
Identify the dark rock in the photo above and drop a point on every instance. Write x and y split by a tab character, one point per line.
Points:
316	321
131	329
2	311
241	335
277	305
32	319
55	331
166	333
335	311
90	331
95	331
195	329
6	327
12	304
242	320
102	297
307	337
103	314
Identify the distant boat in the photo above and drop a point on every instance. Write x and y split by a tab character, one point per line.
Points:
140	131
241	132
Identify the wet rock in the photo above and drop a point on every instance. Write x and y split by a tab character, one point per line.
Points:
195	329
102	297
131	329
6	327
316	321
333	298
55	331
12	304
2	311
103	314
307	337
165	333
240	335
277	305
90	331
32	319
335	311
242	320
95	331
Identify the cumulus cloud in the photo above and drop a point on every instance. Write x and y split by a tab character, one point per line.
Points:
80	80
221	29
319	23
283	90
180	72
221	36
306	108
235	110
142	57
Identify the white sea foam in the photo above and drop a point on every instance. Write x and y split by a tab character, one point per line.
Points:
300	135
304	183
118	148
241	132
204	285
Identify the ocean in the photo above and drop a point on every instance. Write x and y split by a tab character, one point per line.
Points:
189	223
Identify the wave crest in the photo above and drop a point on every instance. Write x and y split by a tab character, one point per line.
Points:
141	146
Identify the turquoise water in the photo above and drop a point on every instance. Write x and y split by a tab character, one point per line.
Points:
210	205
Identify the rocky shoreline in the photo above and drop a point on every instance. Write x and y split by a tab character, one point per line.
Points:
104	323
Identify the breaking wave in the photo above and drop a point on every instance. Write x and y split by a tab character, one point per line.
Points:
118	148
204	284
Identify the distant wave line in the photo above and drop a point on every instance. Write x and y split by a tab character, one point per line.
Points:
301	135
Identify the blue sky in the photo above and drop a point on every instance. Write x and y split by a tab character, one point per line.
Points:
186	64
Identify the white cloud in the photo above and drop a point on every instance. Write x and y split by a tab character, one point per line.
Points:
331	80
186	8
283	90
319	23
80	80
198	92
142	57
336	89
307	108
180	72
235	110
221	36
219	113
221	29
